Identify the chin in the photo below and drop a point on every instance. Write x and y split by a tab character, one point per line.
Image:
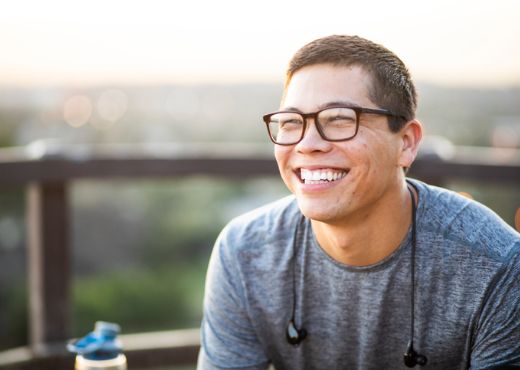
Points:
316	211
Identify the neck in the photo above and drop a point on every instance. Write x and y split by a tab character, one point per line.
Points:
372	234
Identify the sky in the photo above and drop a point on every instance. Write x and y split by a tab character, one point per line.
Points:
55	42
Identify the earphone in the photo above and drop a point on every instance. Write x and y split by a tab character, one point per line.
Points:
295	335
411	358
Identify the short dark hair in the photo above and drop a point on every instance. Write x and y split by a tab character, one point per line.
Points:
391	86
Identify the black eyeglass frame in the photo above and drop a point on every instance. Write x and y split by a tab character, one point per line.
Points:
314	115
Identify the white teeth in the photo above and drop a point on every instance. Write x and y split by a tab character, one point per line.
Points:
317	176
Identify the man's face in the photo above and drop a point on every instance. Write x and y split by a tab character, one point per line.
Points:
363	170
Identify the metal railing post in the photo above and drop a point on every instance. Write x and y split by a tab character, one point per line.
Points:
48	263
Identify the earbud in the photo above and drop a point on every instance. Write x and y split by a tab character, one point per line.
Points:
294	335
412	358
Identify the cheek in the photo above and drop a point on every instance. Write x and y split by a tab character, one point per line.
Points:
281	155
374	155
360	153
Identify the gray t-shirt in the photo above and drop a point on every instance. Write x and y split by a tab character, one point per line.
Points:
467	303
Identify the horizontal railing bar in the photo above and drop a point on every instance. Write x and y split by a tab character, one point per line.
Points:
53	170
424	168
62	170
161	339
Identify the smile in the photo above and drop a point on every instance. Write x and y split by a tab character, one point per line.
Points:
322	175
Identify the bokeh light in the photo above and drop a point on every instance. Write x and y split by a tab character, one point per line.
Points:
77	110
112	105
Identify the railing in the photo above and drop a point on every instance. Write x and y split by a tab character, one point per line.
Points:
48	172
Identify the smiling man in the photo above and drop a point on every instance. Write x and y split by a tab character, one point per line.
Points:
361	268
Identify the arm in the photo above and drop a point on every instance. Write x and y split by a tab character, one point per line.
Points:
497	337
228	338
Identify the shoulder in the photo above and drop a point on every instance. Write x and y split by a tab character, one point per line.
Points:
268	225
465	222
252	243
268	221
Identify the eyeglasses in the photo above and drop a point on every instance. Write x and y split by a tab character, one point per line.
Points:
339	123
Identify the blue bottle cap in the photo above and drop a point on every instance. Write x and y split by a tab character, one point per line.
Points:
101	344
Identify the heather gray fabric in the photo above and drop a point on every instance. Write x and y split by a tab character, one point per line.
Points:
467	312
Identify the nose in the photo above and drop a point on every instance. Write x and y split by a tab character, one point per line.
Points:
312	140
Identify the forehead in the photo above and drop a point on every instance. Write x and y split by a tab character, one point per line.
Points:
314	86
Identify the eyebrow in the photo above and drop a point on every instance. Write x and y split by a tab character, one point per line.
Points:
346	103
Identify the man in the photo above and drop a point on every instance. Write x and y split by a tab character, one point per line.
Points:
361	268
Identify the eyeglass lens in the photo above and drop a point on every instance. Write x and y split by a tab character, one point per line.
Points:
335	124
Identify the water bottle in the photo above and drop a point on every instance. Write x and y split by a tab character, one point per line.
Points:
100	349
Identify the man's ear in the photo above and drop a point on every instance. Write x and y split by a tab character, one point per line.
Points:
411	136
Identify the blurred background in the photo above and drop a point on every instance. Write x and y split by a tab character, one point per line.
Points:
76	76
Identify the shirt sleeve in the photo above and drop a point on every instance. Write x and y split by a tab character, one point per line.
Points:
497	341
228	339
